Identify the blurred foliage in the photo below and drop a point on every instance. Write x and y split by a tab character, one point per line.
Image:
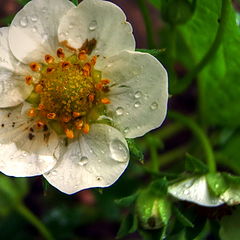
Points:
198	44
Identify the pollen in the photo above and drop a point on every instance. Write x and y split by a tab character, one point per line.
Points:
70	93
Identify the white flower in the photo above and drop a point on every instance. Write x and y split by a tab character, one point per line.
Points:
72	88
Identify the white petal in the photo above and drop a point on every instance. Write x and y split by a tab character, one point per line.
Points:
33	32
195	190
100	20
139	94
24	150
13	89
94	160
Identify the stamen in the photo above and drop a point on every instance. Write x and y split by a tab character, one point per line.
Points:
60	53
41	107
94	60
76	114
105	81
66	119
91	97
51	115
86	69
38	88
36	67
69	133
50	69
65	65
105	101
86	128
49	59
79	124
28	80
40	124
31	112
98	86
82	56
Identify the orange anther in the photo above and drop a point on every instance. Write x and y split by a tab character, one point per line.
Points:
28	80
82	55
76	114
36	67
78	124
105	81
94	60
105	101
31	112
91	97
69	133
49	59
65	65
86	128
38	88
66	119
40	124
60	53
41	106
86	69
51	115
99	86
50	69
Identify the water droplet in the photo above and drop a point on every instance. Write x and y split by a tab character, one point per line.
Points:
54	172
119	151
44	37
71	25
138	94
137	104
24	22
126	130
34	18
154	106
93	25
83	161
34	29
119	111
186	192
44	10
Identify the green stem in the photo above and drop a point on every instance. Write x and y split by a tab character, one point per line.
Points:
28	215
212	50
154	158
148	24
199	133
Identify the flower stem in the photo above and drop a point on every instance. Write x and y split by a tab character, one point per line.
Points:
28	215
212	50
148	24
199	133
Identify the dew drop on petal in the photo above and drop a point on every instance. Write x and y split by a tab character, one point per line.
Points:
24	22
126	130
34	29
186	192
118	150
83	161
99	178
54	172
137	104
44	10
119	111
44	37
93	25
138	94
154	106
34	18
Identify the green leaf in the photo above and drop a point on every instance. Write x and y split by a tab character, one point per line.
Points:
230	229
156	3
75	2
23	2
127	201
135	152
7	20
128	225
182	219
194	165
217	183
159	188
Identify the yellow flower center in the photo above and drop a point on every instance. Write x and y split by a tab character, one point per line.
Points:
70	92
